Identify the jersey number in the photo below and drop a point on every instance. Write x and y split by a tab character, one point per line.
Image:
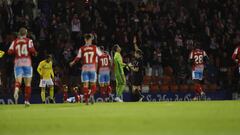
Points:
104	61
198	59
89	57
22	50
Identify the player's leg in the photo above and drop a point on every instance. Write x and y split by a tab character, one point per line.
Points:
65	93
101	85
76	95
120	86
93	80
85	80
197	77
51	90
42	85
27	75
18	72
108	87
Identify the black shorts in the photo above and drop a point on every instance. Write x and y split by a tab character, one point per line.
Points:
137	79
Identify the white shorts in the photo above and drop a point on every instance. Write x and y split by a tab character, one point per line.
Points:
46	82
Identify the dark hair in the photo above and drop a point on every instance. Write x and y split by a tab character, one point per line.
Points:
49	56
115	47
88	36
102	48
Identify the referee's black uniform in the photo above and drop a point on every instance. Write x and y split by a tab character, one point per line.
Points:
137	76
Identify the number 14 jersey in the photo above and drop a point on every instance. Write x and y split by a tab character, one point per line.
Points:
23	49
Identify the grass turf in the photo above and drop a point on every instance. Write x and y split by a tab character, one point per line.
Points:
165	118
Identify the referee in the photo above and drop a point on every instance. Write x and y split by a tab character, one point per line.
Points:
137	73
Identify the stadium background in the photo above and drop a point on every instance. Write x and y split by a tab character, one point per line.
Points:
165	30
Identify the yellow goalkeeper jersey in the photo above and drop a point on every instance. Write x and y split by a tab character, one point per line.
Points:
45	70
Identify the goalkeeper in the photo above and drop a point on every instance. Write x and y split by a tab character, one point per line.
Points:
119	73
46	75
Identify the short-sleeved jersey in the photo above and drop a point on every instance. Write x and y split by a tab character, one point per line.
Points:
89	57
198	58
23	49
236	54
104	62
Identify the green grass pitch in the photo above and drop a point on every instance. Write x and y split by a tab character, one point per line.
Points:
155	118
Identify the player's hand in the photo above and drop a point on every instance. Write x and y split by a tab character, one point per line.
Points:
71	63
134	40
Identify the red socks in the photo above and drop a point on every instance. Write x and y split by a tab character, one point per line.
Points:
86	94
65	96
17	85
198	89
103	93
28	91
94	89
77	97
109	90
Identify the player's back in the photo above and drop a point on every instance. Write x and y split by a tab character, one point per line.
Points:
198	56
104	61
89	57
22	49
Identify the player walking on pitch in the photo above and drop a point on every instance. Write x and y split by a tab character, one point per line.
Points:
104	65
198	58
22	48
88	54
46	73
119	73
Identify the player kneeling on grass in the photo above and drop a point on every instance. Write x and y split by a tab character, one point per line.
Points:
104	64
45	71
198	58
22	48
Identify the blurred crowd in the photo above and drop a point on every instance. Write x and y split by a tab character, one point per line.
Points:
166	31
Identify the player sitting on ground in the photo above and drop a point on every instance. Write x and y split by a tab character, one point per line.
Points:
22	48
88	54
104	64
198	58
45	71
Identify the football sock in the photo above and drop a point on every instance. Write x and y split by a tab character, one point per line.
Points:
94	89
43	95
27	93
51	92
65	96
86	94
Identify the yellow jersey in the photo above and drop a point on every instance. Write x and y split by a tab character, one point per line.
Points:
45	70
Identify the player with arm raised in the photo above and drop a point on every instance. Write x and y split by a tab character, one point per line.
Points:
136	67
104	66
46	73
198	58
22	48
89	55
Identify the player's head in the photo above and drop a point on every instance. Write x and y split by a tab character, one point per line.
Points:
138	53
102	48
22	32
197	45
88	38
49	58
117	48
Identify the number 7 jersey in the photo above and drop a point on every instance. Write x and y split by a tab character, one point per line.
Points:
23	49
